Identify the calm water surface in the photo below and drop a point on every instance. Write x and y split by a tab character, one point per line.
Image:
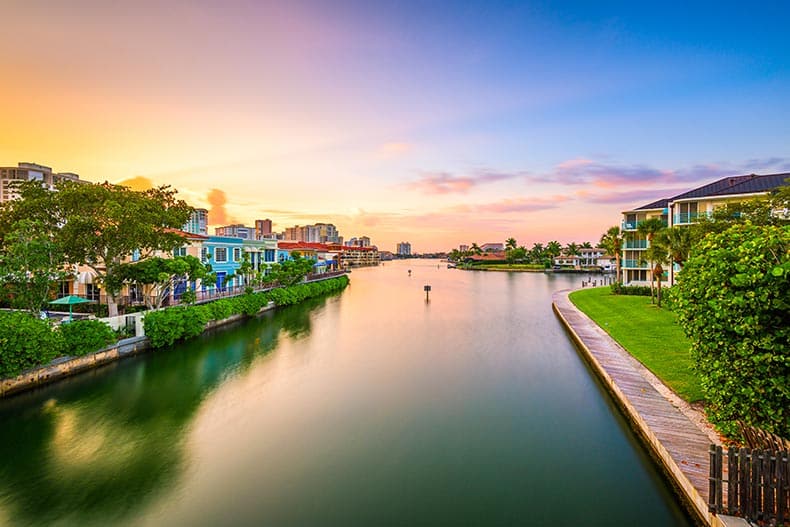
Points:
371	407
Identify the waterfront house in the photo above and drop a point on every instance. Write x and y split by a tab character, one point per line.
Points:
224	254
683	210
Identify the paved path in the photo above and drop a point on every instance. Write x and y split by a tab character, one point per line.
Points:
675	439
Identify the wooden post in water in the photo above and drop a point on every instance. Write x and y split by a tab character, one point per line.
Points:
427	289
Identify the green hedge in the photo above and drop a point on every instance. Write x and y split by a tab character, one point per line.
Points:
81	337
26	341
630	290
167	326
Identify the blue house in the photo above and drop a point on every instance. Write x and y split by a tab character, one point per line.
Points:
224	254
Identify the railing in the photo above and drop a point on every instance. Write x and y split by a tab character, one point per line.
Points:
635	244
684	217
634	264
757	484
628	225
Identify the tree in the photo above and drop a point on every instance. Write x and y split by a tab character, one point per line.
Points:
511	243
159	276
290	272
649	228
732	301
103	225
31	263
656	254
612	242
475	249
571	249
553	249
536	253
516	254
586	245
677	242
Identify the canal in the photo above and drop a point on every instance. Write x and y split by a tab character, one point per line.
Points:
371	407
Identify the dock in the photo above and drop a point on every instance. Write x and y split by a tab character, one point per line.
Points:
664	422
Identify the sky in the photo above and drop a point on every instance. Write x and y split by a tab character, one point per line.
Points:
437	123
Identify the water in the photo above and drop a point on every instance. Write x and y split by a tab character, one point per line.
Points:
371	407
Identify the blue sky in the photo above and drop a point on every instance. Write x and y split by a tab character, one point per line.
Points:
437	122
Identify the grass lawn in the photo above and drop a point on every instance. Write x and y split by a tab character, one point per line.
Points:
650	334
508	267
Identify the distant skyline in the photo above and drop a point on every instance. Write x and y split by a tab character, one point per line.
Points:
436	123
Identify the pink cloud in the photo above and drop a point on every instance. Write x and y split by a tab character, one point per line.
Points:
447	183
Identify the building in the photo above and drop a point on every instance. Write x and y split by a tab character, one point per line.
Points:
318	233
463	248
261	252
198	222
492	247
683	210
237	230
30	172
224	254
403	249
263	229
585	259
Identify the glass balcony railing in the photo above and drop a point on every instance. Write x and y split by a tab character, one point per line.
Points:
684	217
635	244
628	226
634	264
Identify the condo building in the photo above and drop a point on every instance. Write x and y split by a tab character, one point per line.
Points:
403	249
30	172
683	210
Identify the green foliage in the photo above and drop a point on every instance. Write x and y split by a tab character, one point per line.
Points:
629	290
612	242
182	322
189	296
167	326
290	272
81	337
26	341
158	276
733	300
31	262
102	225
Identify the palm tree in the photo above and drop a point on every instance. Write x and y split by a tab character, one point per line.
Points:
586	245
657	253
649	228
677	241
553	248
510	243
536	253
476	249
571	249
612	241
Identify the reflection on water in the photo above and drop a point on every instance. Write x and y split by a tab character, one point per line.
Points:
370	407
95	447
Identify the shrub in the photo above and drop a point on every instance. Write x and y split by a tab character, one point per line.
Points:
167	326
25	342
630	290
733	299
85	336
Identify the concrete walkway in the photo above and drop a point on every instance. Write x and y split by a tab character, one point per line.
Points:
667	425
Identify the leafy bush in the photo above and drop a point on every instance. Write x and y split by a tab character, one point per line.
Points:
630	290
85	336
169	325
25	342
733	301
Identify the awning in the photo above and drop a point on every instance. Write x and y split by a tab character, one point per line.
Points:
86	277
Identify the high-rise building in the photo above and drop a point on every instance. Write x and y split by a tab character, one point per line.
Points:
263	229
318	233
237	230
404	249
463	248
198	222
30	172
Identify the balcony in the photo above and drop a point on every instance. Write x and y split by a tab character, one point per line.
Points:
684	217
634	264
635	244
628	225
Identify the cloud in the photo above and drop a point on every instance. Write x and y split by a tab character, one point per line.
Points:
217	214
629	196
607	175
521	204
447	183
137	183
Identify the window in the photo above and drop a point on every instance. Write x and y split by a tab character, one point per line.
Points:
221	254
92	292
63	288
181	251
204	254
236	254
268	255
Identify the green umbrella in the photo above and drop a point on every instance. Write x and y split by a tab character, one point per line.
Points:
70	301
